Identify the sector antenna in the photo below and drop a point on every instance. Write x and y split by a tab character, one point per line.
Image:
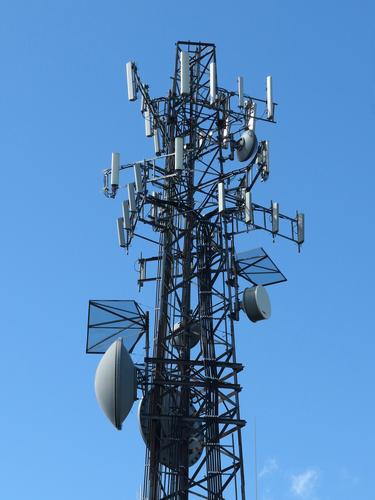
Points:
192	202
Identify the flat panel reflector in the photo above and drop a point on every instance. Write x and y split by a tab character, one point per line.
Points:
258	268
240	91
113	319
130	80
212	82
185	73
269	98
115	169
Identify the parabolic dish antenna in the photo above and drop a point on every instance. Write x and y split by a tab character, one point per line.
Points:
247	146
256	303
116	383
172	429
189	337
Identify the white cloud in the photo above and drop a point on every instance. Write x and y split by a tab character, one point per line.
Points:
269	467
303	484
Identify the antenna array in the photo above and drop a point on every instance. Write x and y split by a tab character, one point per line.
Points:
194	198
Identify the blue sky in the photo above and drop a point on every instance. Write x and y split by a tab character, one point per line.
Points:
309	378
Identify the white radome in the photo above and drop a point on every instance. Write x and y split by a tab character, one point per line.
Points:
256	303
116	383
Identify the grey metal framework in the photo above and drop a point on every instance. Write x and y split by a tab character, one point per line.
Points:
193	213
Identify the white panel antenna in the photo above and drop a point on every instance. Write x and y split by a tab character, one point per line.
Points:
115	169
138	177
226	133
131	195
178	153
154	208
185	73
156	141
120	232
126	214
269	98
252	120
147	116
143	106
221	197
240	91
265	160
248	208
213	84
131	81
300	228
275	217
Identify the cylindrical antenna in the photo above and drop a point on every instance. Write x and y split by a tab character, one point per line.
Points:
132	96
115	169
120	232
269	98
221	197
275	217
147	116
131	195
213	84
240	91
138	177
178	153
125	214
185	73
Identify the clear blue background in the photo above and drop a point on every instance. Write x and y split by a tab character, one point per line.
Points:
309	378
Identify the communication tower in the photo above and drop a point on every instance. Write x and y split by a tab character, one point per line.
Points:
193	198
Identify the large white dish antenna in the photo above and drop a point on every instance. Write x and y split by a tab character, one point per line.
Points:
247	145
256	303
116	383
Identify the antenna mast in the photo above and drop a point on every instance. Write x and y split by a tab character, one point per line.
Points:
194	198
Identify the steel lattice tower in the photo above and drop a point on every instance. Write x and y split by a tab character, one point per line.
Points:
194	198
